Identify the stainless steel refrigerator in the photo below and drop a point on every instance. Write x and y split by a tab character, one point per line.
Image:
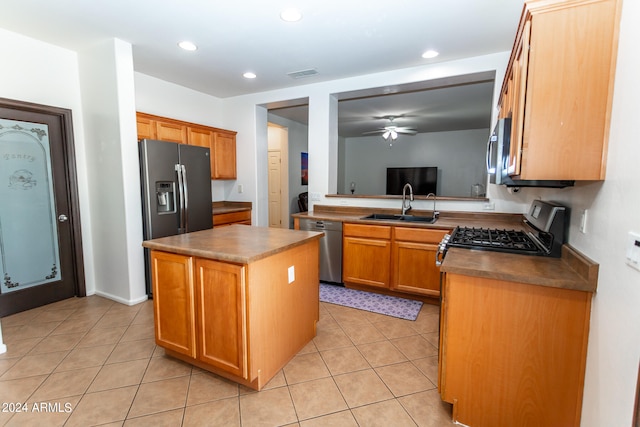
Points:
176	191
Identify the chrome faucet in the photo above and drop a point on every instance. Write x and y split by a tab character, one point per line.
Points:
435	213
406	207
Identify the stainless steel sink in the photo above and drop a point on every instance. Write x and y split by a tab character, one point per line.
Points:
407	218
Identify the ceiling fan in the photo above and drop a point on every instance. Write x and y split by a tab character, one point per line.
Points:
391	130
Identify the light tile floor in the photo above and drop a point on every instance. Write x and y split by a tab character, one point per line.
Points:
91	361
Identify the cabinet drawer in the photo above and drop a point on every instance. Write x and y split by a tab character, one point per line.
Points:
232	217
419	235
371	231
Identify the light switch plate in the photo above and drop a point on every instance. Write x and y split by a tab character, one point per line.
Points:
292	274
633	250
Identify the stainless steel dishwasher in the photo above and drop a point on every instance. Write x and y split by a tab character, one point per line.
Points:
330	247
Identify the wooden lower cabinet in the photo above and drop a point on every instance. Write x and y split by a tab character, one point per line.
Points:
241	321
240	217
174	302
512	354
366	251
413	255
222	313
392	258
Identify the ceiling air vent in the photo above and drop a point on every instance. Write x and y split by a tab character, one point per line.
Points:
303	73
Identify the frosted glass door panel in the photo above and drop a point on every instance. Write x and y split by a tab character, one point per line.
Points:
29	253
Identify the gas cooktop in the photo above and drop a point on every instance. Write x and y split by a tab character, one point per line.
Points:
512	241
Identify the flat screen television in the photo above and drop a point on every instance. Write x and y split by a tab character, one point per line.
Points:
423	180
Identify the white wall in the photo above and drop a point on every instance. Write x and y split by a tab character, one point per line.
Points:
41	73
459	156
244	114
106	80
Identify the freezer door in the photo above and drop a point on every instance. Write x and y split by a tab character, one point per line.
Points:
160	202
196	170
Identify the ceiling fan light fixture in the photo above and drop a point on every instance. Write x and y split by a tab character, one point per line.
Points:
429	54
386	134
188	46
291	15
394	135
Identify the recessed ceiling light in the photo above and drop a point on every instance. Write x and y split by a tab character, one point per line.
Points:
291	15
249	75
430	54
187	45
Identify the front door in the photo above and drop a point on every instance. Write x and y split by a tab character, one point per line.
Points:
40	246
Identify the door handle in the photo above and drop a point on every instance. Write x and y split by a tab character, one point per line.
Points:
62	218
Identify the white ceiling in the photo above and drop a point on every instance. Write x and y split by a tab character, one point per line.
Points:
335	37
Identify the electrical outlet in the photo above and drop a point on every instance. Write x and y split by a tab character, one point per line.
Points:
240	188
583	222
633	250
292	274
489	206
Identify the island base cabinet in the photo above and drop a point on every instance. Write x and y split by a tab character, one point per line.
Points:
174	302
222	312
244	322
512	354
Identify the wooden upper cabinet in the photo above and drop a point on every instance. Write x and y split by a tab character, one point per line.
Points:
221	142
200	136
172	132
558	89
146	127
223	155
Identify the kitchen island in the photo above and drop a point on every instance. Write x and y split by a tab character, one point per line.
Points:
238	301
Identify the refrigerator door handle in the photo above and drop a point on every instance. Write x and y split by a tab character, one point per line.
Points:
186	198
181	216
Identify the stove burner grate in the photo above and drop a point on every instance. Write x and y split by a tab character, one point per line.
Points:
514	241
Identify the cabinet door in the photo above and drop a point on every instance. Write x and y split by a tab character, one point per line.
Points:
223	156
222	314
366	261
146	127
172	132
518	87
513	354
414	268
200	136
174	302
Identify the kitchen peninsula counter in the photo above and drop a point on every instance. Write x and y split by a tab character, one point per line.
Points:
239	301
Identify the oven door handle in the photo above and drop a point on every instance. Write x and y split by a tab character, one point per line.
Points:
439	256
442	249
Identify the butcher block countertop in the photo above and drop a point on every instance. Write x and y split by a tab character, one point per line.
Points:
240	244
572	271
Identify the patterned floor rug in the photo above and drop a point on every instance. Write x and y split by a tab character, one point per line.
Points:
377	303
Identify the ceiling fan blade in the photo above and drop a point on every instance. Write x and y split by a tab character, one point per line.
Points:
407	131
373	132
